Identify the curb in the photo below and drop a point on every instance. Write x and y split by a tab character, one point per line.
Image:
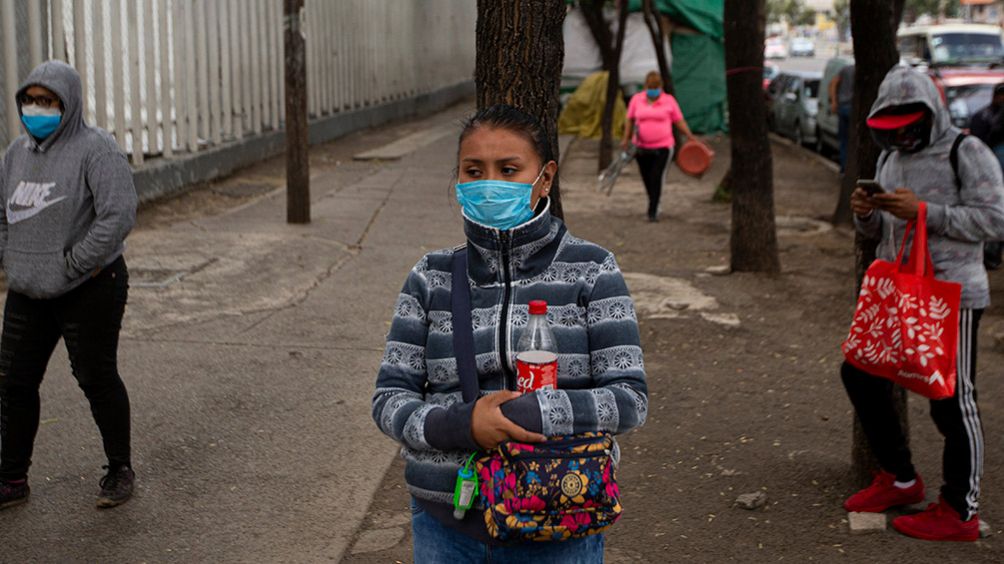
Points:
775	138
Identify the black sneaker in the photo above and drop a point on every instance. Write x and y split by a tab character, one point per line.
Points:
116	487
13	493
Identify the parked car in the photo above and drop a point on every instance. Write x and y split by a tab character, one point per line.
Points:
795	105
770	72
951	44
827	122
802	47
966	90
771	94
774	48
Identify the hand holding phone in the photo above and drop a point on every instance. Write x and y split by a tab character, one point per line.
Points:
870	186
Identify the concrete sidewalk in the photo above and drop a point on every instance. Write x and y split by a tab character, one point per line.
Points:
250	349
745	397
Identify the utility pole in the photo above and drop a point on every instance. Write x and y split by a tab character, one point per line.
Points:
297	147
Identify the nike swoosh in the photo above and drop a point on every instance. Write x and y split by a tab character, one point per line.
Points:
14	216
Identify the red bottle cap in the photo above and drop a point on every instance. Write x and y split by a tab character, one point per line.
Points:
538	307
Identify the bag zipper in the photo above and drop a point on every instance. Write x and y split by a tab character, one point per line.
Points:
572	441
532	455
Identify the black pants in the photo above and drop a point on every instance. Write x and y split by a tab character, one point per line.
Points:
652	164
957	418
88	318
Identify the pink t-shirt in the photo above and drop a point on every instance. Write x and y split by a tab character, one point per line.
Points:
653	123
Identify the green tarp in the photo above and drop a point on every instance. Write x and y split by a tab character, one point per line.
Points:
699	77
698	60
703	15
698	65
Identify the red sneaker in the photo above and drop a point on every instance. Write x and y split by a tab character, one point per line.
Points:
939	522
883	494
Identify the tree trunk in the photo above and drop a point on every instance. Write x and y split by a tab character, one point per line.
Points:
897	13
754	237
653	21
859	133
873	29
592	12
613	89
520	50
297	127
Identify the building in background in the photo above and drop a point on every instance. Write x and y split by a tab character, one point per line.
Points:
819	5
983	11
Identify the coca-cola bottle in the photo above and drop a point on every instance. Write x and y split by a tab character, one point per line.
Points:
536	353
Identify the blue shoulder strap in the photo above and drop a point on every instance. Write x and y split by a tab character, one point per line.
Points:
463	331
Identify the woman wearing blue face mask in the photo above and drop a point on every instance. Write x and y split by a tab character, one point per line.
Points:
68	204
651	116
517	252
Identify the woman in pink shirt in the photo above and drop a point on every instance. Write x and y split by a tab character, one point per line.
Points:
651	116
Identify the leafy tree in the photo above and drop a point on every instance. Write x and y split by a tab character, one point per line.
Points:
789	10
806	17
842	15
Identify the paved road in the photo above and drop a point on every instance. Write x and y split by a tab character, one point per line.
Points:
802	63
824	52
250	376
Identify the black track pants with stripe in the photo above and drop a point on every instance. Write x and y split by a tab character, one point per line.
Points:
957	418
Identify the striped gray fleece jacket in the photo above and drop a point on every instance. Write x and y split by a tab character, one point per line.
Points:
601	375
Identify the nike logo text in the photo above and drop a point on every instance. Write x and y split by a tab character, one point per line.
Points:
29	199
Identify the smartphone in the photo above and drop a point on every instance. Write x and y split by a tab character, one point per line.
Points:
870	186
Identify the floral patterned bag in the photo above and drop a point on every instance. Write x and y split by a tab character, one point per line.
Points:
560	489
557	490
906	325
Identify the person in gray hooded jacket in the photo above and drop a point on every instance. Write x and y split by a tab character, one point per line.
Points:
68	204
926	159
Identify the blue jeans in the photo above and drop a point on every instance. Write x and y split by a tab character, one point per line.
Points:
843	132
434	543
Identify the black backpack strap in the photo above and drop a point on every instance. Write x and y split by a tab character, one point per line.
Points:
953	158
463	330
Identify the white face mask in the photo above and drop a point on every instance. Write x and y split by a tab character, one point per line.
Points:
34	110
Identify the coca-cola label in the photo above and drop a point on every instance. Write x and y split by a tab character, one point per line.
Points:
536	370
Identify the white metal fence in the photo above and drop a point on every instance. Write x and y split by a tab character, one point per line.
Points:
170	76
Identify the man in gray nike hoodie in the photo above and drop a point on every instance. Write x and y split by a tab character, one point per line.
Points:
927	160
68	204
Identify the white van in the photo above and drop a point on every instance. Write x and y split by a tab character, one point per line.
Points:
951	44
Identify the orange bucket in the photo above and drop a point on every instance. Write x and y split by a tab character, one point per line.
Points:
694	158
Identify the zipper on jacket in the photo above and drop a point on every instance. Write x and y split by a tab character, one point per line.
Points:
504	311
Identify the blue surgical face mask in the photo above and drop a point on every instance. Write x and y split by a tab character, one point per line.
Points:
497	203
653	93
40	122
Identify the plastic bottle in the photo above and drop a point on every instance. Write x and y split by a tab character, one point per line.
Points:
537	353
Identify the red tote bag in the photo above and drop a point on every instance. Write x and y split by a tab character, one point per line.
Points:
906	326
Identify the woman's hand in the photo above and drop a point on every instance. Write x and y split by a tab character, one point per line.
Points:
624	144
490	427
902	203
861	204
